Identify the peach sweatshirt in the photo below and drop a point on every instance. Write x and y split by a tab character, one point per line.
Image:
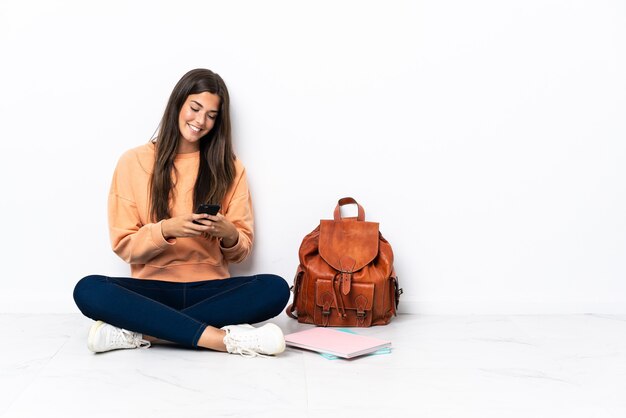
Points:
140	242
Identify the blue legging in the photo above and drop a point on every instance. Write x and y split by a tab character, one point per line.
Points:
179	312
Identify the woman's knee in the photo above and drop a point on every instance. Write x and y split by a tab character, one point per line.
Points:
277	289
85	292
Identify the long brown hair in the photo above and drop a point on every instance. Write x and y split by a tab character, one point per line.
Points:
217	159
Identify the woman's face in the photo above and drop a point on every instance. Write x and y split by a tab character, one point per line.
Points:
196	119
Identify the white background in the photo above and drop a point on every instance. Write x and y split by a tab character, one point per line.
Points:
488	137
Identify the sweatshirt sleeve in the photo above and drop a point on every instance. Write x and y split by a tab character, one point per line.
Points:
131	239
239	212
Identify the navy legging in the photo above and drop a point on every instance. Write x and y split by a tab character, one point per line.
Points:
179	312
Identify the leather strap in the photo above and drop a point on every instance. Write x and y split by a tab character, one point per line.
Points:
347	201
347	264
341	309
361	303
397	291
296	290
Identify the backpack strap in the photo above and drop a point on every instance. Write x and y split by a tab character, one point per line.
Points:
295	288
397	291
347	201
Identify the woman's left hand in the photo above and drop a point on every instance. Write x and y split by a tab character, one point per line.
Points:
222	228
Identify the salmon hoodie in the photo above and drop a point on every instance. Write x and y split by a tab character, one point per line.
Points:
140	242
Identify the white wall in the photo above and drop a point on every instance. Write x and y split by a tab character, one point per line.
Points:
487	137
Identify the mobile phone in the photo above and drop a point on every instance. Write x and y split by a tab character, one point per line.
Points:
208	209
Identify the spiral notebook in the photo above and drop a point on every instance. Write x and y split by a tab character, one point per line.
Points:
338	343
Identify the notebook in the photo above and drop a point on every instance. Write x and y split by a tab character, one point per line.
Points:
338	343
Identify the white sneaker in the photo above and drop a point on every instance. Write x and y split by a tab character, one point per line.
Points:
105	337
250	342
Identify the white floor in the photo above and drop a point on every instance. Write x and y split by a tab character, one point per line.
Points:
441	366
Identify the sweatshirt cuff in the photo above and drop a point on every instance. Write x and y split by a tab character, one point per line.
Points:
235	249
158	238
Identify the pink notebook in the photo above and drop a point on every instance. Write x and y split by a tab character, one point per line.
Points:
338	343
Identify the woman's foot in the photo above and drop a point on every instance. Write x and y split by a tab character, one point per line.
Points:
105	337
250	342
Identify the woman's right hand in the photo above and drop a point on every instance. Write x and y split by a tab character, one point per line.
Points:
183	226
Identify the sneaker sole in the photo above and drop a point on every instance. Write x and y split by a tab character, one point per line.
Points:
92	335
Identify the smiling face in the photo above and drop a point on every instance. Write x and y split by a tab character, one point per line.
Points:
196	119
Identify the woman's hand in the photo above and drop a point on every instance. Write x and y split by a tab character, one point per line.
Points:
183	226
212	225
222	228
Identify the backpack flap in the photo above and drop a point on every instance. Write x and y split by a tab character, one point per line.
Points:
348	246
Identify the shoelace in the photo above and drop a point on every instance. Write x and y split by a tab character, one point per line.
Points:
129	337
244	339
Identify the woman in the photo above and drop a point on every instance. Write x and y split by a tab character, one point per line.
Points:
180	290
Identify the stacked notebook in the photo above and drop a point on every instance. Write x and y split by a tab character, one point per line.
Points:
335	342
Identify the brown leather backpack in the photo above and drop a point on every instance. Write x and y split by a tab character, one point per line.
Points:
346	276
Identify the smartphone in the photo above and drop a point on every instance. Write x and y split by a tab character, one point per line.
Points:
208	209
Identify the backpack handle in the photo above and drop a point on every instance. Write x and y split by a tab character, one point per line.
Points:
347	201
